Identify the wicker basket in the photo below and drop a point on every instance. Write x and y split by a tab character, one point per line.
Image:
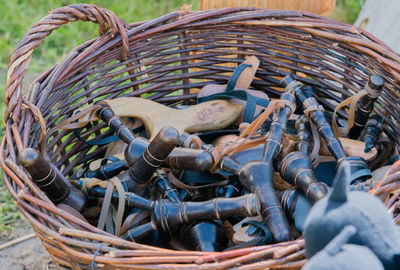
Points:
165	58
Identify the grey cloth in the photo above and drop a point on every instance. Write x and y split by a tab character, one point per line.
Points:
351	257
342	256
375	228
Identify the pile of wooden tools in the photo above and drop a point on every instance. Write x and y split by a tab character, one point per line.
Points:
236	170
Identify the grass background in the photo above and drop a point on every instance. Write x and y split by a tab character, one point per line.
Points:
17	16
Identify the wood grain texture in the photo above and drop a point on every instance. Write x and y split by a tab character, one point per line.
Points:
211	115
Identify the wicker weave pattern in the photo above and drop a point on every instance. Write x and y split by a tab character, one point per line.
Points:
164	59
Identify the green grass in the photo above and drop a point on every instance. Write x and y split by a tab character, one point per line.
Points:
17	16
347	10
10	216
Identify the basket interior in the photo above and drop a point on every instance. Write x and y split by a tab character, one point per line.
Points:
171	66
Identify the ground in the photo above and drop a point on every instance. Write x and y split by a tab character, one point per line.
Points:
28	255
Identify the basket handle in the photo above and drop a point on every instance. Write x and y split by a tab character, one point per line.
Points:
34	37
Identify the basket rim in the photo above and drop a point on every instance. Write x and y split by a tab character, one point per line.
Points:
15	101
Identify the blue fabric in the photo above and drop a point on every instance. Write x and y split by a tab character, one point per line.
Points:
338	254
325	172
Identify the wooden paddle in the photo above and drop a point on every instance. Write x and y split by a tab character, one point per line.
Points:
207	116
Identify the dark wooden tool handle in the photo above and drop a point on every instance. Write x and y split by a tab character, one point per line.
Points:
114	122
226	163
273	144
373	128
230	164
325	130
158	150
169	215
131	199
359	168
189	159
205	235
258	177
315	115
303	135
297	169
288	199
50	180
108	170
179	158
138	233
162	184
366	105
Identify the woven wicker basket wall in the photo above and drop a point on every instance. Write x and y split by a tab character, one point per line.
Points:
165	58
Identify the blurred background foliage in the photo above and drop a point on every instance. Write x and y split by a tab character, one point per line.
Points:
17	16
347	10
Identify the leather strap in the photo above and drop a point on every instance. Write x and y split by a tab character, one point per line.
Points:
240	80
121	204
92	182
192	140
105	208
242	142
314	155
235	76
259	225
353	100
